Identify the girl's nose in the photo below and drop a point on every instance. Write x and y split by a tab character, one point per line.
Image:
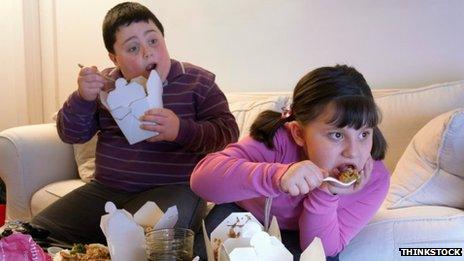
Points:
350	150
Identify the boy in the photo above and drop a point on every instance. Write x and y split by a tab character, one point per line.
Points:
195	120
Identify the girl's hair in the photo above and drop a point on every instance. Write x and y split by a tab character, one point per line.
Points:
124	14
340	85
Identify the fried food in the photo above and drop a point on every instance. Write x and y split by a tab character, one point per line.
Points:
348	175
92	252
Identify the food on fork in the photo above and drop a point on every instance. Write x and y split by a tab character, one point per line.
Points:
348	175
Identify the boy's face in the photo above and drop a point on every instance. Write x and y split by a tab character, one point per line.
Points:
140	48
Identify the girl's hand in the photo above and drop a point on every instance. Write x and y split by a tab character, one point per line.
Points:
90	82
365	175
167	124
301	178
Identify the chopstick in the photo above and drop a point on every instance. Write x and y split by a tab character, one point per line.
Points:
104	76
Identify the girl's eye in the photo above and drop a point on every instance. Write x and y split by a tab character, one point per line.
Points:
336	135
364	135
152	41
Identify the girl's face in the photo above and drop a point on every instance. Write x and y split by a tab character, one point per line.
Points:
140	48
330	147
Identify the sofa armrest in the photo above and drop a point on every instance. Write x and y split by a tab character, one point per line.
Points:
31	157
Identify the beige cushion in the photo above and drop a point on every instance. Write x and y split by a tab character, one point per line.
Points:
246	107
431	170
84	154
405	111
85	158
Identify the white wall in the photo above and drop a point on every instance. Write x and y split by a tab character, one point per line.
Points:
267	45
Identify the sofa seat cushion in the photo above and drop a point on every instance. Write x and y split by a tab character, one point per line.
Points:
419	227
51	193
431	170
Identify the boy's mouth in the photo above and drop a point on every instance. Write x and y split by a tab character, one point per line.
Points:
150	67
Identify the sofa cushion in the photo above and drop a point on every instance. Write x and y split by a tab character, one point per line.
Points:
431	170
51	193
419	227
246	107
406	111
85	159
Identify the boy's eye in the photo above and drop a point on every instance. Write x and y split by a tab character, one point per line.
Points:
152	41
132	49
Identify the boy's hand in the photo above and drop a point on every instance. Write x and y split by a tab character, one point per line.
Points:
113	73
167	124
90	83
301	178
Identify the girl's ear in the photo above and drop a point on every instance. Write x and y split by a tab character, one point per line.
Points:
113	58
297	133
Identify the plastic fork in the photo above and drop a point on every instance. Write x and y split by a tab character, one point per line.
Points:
104	76
338	182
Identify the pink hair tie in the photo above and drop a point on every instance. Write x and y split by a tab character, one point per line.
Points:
286	112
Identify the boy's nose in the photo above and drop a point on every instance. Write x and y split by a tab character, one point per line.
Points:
147	52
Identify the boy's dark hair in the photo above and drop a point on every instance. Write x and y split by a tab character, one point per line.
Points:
124	14
341	85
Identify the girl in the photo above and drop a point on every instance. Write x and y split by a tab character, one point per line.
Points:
330	126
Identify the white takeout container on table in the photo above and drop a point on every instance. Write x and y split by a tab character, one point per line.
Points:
124	233
242	237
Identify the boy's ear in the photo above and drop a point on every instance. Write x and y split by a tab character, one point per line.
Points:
297	133
113	58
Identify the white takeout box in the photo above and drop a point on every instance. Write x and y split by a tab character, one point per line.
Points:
124	234
234	240
128	101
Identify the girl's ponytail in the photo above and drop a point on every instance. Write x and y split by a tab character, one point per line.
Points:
265	126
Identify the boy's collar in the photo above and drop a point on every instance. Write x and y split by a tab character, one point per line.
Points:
177	68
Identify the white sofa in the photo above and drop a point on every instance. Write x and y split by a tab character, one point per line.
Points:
38	169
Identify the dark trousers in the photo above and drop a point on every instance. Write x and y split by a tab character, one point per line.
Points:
75	218
290	238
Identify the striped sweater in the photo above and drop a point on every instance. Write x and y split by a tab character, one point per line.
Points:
206	125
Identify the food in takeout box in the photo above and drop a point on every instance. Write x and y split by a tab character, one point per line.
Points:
242	237
129	101
81	252
125	234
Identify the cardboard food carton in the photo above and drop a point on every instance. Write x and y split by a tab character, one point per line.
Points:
124	233
128	101
242	237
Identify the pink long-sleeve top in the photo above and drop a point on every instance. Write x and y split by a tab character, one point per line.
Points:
247	172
